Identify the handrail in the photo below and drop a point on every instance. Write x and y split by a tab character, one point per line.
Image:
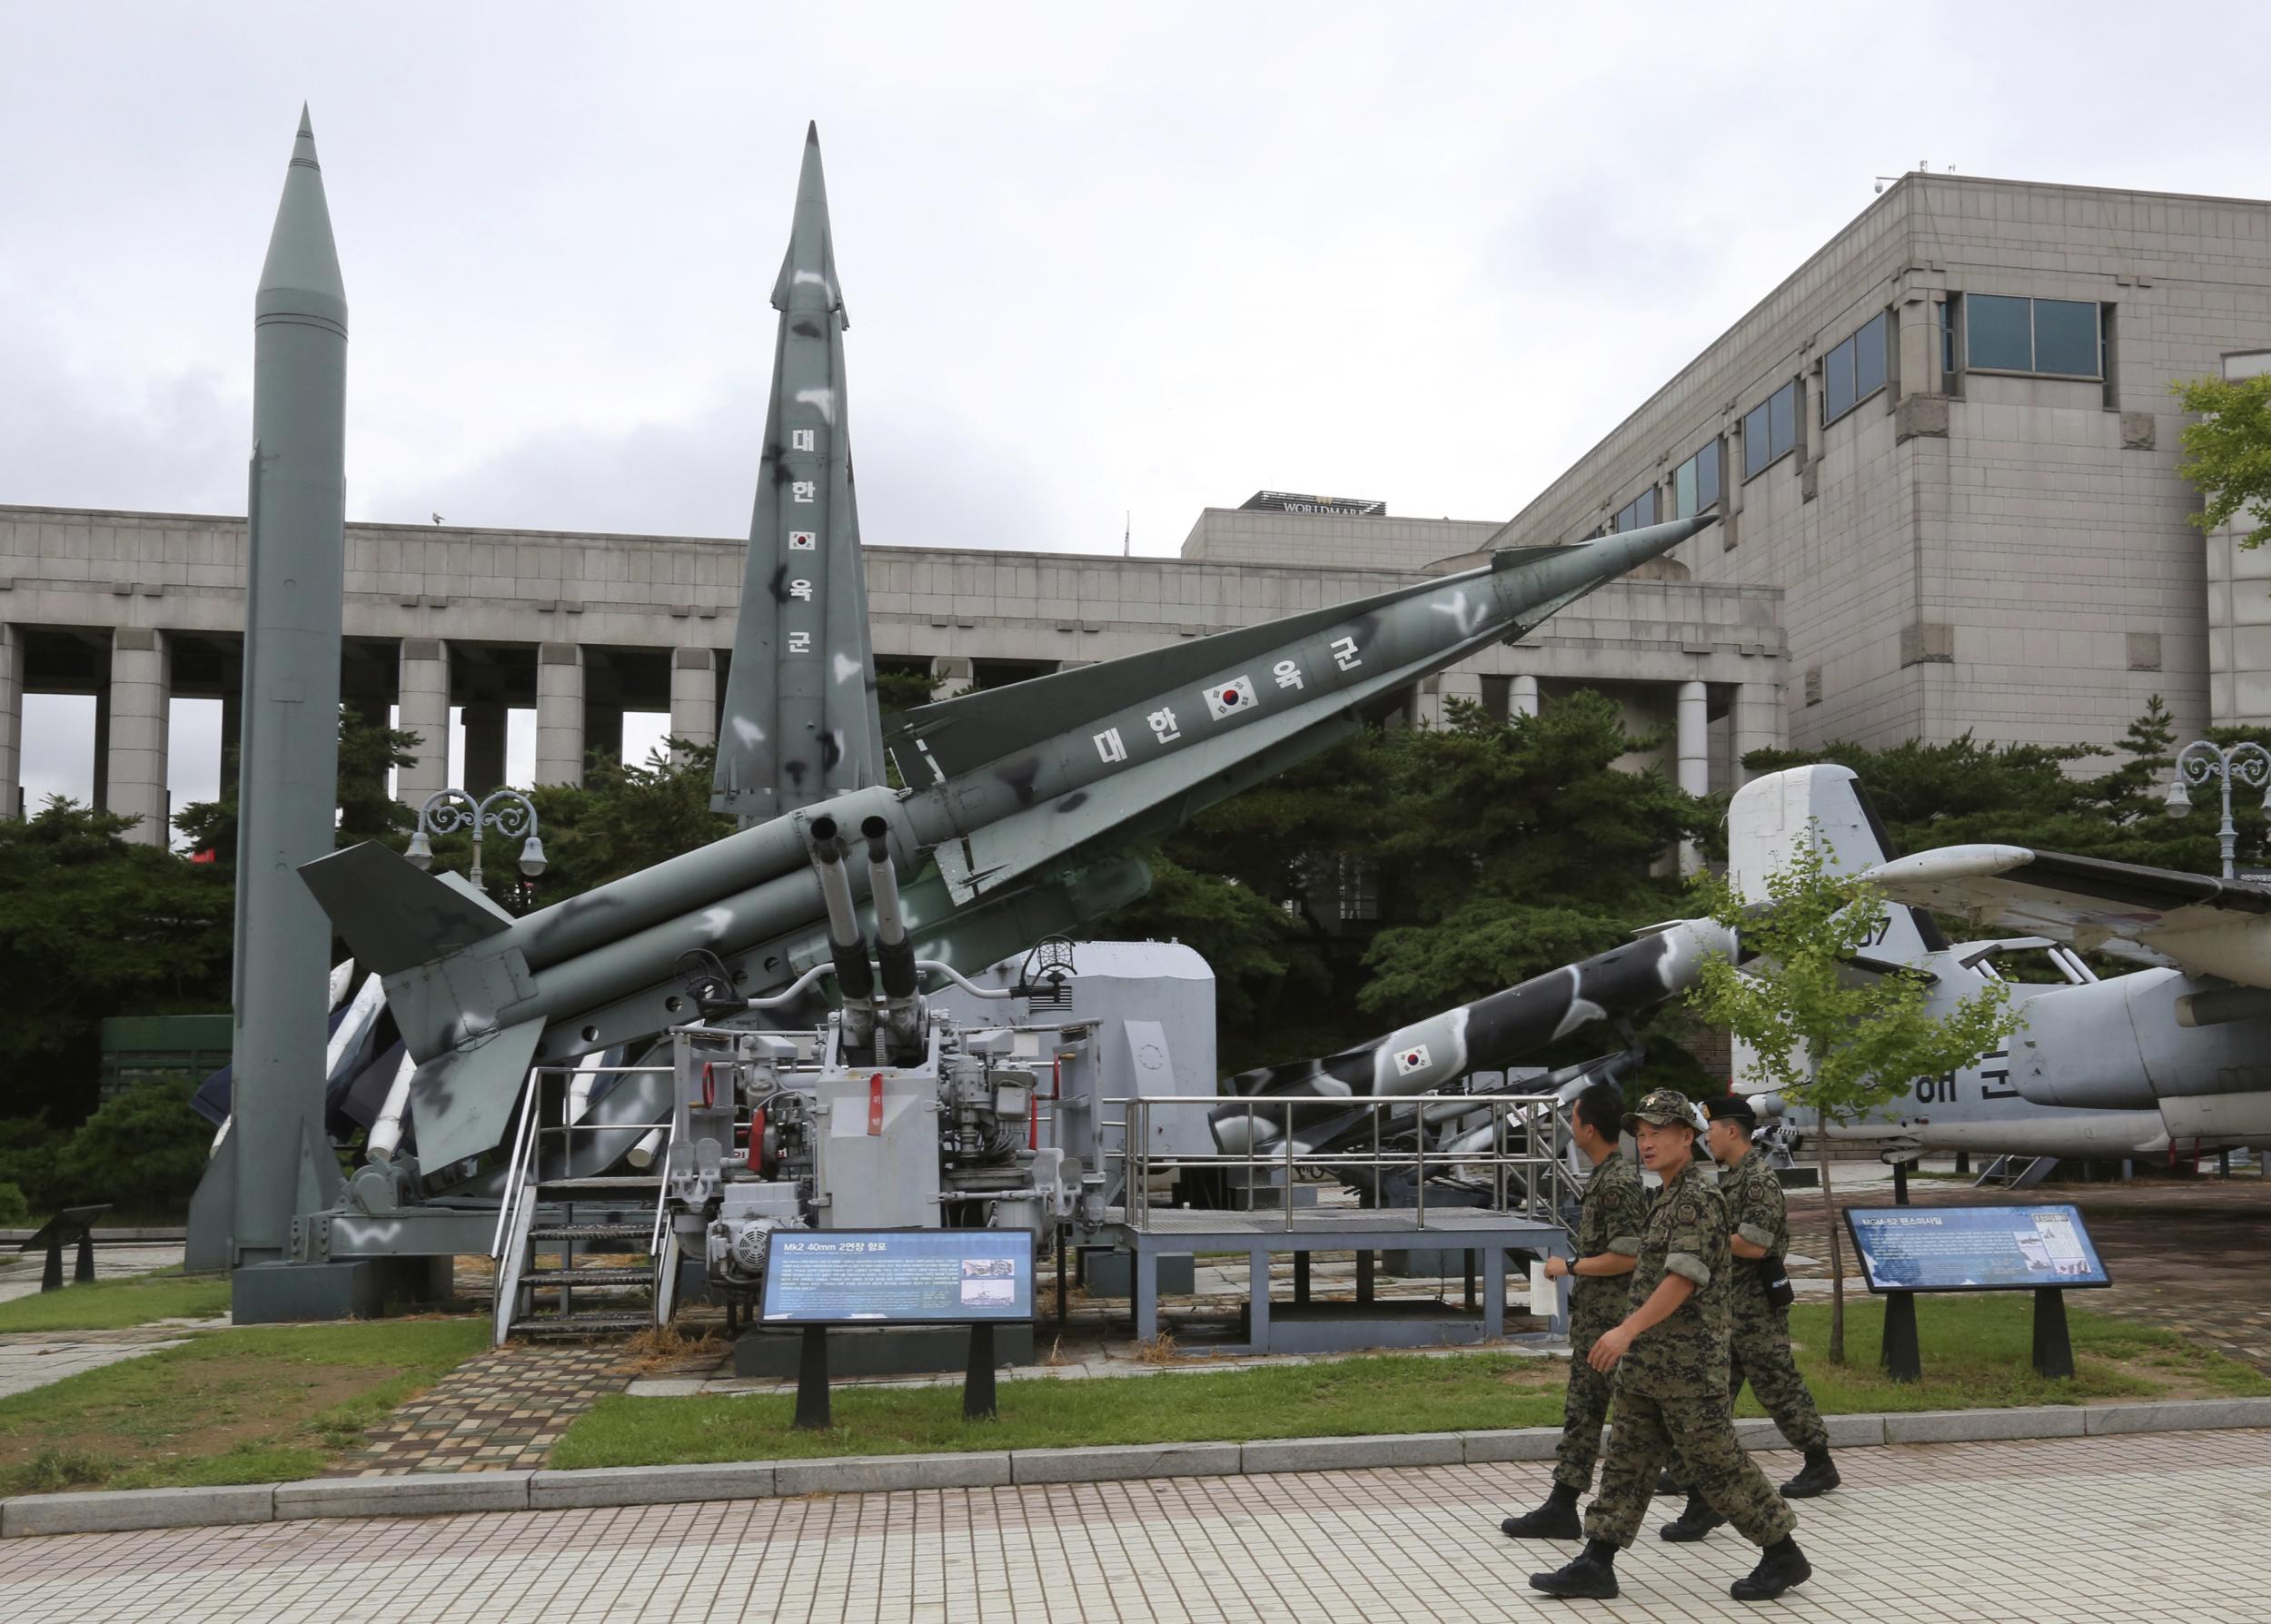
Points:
530	1105
1545	1178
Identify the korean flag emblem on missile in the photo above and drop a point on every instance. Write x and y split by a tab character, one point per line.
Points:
1229	699
1412	1058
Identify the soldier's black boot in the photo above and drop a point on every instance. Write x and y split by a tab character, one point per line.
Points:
1693	1523
1819	1476
1556	1520
1592	1577
1780	1566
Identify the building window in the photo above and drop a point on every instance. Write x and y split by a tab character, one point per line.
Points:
2061	338
1947	308
1856	369
1769	432
1695	482
1636	514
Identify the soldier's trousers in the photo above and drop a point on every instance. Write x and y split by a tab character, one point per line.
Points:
1584	1407
1763	1355
1726	1477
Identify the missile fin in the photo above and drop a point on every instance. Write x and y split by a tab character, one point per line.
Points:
461	1100
395	916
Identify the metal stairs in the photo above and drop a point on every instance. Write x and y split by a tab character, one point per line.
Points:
563	1239
2015	1173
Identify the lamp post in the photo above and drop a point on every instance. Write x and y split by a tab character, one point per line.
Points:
507	811
2199	762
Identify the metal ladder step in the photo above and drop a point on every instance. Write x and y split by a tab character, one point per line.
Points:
579	1324
592	1231
627	1181
641	1278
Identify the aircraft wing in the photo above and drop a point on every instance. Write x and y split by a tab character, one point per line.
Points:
2208	926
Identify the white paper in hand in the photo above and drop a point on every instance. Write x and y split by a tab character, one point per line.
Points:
1545	1297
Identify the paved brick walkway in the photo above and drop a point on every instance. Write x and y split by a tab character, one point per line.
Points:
498	1412
2101	1530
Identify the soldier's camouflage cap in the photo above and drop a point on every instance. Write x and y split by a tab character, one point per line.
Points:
1666	1107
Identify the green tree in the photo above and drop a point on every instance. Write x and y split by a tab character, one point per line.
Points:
1825	1039
143	1150
94	925
367	752
619	820
2227	452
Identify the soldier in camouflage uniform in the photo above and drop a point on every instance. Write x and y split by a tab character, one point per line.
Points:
1670	1356
1759	1349
1608	1245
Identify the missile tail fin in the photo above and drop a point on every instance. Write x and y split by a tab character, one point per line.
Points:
393	914
461	1100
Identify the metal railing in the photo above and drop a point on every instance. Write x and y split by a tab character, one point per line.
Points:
1524	1165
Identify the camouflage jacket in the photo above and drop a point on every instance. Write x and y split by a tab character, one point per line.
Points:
1686	1234
1755	1211
1614	1211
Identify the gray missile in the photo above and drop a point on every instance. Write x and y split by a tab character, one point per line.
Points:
1016	795
288	778
800	723
1486	1034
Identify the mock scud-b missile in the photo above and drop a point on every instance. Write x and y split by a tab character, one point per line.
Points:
1006	788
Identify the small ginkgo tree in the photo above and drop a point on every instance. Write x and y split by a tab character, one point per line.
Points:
1829	1035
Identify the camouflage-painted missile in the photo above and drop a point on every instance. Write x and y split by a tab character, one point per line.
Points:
1014	803
800	723
1484	1036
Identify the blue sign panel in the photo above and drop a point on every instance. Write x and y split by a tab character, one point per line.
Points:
1974	1249
897	1276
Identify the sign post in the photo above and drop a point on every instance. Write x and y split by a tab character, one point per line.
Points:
1905	1252
815	1278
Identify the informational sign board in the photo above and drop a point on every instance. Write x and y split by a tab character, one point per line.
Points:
1974	1249
897	1276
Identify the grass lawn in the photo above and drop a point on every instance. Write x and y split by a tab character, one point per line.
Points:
109	1305
1975	1353
243	1406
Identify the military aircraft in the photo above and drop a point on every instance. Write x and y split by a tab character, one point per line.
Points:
1019	807
2134	1065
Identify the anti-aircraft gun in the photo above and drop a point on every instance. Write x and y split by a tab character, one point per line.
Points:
891	1114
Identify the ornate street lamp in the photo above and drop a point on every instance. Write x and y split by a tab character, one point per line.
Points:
2197	762
507	811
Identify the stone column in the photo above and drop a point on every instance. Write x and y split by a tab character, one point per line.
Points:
485	746
949	674
1919	344
694	696
142	682
422	696
1521	697
1692	751
11	722
1756	724
559	714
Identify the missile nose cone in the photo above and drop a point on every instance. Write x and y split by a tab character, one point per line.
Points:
808	274
300	279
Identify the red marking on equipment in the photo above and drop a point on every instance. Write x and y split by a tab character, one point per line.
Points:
875	1107
1033	1120
1230	696
757	1140
1411	1060
709	1086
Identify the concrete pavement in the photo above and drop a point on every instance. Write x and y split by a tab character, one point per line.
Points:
2095	1530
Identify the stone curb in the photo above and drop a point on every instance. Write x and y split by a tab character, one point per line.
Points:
419	1494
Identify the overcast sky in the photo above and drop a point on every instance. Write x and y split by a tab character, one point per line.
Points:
1097	261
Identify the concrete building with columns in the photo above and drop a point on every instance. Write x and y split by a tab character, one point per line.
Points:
137	608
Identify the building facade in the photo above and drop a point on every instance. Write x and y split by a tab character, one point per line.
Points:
1949	438
138	608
